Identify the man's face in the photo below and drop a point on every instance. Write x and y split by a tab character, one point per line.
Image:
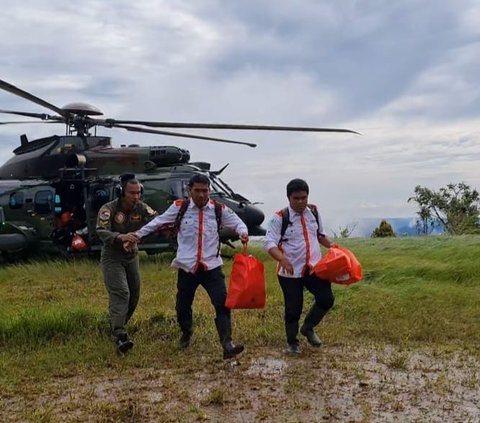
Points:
298	201
200	194
131	195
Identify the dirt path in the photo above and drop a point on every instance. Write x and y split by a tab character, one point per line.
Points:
329	384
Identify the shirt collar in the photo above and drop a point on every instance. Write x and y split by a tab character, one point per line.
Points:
209	205
294	213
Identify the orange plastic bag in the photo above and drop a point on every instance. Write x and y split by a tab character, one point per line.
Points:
247	282
340	266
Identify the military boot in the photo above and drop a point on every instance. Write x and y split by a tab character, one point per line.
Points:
124	343
224	329
184	341
312	319
291	330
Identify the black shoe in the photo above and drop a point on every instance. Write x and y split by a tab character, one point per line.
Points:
231	350
311	336
292	349
184	340
124	344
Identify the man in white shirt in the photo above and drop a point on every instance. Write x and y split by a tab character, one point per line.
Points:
297	251
198	260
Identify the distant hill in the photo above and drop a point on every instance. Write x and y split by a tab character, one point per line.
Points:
402	226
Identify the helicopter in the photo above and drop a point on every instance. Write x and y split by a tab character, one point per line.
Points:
53	187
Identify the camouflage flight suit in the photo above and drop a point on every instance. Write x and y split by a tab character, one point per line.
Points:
121	268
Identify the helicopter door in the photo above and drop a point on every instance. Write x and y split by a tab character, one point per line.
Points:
69	209
39	201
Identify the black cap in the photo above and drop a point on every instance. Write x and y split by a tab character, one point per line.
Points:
126	177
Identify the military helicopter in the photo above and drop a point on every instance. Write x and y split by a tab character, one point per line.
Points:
52	188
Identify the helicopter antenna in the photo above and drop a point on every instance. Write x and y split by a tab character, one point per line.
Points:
218	172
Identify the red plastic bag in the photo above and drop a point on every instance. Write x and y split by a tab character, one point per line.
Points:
78	243
340	266
247	282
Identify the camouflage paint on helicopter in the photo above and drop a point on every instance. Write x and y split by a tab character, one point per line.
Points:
53	187
34	208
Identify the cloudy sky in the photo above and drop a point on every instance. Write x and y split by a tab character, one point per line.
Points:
403	74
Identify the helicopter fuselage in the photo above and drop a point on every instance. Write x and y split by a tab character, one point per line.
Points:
45	157
33	208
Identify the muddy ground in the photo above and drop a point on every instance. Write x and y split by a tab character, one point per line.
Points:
329	384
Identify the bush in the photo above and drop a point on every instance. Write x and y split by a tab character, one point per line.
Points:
384	230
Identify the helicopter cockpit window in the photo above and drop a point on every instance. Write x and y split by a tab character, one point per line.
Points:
179	188
219	187
43	202
16	201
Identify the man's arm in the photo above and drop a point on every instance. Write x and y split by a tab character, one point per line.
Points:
167	217
104	226
322	236
148	213
325	241
231	220
270	244
104	229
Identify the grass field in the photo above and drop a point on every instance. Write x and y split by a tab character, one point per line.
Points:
402	345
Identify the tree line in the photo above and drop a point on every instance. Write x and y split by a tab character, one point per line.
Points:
453	209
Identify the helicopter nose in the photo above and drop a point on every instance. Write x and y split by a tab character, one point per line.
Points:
253	216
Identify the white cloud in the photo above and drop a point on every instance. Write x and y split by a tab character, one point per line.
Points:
403	74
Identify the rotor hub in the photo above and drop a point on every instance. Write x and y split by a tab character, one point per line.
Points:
82	109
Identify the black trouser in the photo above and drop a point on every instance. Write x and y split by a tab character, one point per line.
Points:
187	283
293	297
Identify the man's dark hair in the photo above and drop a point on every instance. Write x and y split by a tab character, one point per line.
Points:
198	178
296	185
133	181
126	177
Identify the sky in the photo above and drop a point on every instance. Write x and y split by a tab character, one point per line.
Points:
403	74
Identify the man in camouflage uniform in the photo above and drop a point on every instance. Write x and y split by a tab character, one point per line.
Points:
119	257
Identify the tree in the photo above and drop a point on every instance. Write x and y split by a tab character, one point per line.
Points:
345	231
455	206
384	230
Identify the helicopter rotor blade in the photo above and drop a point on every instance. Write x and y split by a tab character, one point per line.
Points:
177	134
26	95
23	122
191	125
42	116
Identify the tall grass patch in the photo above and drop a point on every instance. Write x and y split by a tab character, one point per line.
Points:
416	292
38	327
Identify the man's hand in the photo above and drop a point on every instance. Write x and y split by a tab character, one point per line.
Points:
286	265
130	237
129	246
129	241
244	238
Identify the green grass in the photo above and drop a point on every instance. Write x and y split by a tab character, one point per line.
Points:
416	292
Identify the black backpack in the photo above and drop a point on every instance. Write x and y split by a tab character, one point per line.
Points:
181	212
183	209
286	219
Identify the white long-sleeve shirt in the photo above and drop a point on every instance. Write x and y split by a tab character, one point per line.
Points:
198	235
300	243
